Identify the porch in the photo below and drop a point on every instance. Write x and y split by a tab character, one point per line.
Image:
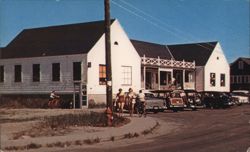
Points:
163	74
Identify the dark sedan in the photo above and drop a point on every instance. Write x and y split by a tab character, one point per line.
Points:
216	100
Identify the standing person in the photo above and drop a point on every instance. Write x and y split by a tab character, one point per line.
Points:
120	100
142	102
131	98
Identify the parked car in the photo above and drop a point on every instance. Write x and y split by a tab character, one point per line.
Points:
194	99
241	95
214	99
154	104
173	99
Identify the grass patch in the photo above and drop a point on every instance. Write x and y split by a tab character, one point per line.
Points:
29	146
148	131
112	138
131	135
94	119
60	125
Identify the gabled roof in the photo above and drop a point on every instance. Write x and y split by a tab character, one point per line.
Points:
55	40
247	60
198	52
152	50
1	52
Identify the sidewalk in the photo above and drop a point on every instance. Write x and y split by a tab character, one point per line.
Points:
137	125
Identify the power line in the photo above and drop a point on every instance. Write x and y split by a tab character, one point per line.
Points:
161	22
156	25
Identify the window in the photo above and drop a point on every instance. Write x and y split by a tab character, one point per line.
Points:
231	79
189	76
18	73
212	79
239	79
246	78
222	80
1	73
77	71
165	78
126	75
241	65
55	71
243	79
235	79
36	72
102	74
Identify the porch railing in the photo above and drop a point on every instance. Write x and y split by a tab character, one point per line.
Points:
167	63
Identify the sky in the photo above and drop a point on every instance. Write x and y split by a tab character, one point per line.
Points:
157	21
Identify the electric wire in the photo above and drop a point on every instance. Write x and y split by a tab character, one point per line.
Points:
156	25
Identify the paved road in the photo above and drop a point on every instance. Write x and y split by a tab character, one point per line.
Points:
201	131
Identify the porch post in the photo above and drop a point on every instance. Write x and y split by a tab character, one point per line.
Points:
144	77
159	79
183	79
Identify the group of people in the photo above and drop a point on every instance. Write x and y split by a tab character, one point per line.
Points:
131	99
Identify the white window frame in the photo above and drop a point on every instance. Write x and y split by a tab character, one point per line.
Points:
224	79
127	75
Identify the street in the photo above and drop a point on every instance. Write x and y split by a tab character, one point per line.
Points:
205	130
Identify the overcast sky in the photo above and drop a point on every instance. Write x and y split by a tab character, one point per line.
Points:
159	21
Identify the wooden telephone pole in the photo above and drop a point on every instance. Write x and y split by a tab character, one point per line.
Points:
108	56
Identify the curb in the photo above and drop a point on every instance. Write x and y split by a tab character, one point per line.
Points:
137	127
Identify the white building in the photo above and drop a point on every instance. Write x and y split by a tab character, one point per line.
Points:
63	58
199	66
70	59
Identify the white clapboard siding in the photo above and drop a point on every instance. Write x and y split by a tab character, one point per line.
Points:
46	84
217	63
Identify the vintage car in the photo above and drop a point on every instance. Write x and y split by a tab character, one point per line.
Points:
241	95
173	99
193	100
153	103
214	99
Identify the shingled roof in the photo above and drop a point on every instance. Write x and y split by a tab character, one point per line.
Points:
152	50
55	40
198	52
247	60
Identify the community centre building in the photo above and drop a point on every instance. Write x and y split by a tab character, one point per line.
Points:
70	59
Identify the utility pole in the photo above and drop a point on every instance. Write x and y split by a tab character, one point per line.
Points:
108	60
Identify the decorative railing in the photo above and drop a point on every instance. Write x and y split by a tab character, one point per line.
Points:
167	63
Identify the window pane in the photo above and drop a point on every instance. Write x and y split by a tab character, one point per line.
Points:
222	80
127	75
18	73
212	79
102	74
36	72
56	72
77	71
1	73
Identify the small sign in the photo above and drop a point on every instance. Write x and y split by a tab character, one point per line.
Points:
109	83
